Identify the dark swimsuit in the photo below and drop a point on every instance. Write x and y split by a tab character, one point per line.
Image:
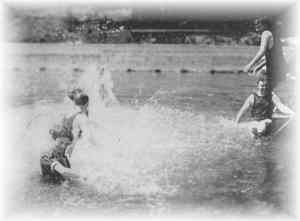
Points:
275	63
57	153
262	107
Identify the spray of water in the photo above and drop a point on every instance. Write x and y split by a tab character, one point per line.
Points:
153	150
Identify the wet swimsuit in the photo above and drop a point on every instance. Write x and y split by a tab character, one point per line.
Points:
275	63
57	153
64	129
262	107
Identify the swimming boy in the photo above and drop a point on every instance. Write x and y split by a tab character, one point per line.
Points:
262	104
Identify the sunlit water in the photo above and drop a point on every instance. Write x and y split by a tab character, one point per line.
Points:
170	146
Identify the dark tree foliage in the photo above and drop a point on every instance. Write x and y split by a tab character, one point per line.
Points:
92	28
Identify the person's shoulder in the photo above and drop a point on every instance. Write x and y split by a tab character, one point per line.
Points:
266	34
81	117
274	96
251	98
77	116
252	95
72	114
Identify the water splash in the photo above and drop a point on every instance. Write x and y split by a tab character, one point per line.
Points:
154	151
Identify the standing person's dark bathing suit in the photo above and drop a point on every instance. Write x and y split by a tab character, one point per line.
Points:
276	65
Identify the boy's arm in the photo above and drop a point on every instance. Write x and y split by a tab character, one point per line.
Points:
244	108
70	148
75	133
281	107
83	125
261	52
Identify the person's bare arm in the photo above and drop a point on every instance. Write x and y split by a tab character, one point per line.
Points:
76	136
70	148
86	129
280	106
265	38
247	104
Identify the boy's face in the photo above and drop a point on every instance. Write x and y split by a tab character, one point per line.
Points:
77	94
258	26
86	105
262	87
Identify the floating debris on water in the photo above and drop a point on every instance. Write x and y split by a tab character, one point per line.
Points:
184	71
130	70
42	69
78	70
224	71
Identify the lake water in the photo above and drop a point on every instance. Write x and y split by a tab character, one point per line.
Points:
179	151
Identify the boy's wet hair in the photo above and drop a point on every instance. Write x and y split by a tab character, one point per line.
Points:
265	21
263	78
83	99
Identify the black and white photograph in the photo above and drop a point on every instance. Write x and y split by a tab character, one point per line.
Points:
153	110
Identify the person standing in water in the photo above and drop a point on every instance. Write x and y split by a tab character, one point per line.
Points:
262	105
55	164
271	49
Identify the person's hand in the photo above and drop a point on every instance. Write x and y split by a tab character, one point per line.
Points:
292	115
247	68
290	76
236	123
